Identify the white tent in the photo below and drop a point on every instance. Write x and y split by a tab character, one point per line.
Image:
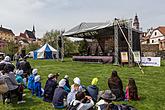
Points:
45	52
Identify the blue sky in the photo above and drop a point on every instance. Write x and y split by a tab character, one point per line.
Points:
65	14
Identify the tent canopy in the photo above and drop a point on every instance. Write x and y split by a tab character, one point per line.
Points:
45	52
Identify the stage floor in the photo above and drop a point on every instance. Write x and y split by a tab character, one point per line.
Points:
99	59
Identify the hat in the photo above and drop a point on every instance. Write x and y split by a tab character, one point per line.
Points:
37	78
66	76
108	95
94	81
76	80
35	71
7	59
19	72
62	83
50	75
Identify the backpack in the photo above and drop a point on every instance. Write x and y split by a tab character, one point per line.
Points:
72	107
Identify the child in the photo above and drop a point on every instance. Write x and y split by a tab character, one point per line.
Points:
31	80
37	87
131	90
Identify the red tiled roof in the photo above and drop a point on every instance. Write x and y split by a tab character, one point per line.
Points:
161	29
22	35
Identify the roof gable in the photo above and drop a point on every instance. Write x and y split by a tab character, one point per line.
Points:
9	31
30	34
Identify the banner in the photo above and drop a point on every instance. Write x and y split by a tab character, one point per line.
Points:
137	56
124	57
150	61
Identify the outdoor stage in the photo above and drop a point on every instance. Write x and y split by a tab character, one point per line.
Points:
98	59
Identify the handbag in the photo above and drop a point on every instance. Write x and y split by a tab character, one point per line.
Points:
3	88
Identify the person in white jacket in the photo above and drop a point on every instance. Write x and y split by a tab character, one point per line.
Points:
84	102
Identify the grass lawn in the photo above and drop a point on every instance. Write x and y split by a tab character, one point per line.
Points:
151	85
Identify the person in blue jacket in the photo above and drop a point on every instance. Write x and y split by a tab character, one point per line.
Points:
93	89
38	91
30	85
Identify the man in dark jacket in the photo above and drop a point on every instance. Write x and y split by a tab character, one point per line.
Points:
60	95
50	86
25	66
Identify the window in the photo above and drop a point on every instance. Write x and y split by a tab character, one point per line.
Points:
148	41
152	41
155	33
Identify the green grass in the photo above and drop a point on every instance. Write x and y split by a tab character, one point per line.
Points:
151	85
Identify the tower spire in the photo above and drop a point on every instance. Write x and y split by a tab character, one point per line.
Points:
136	22
33	30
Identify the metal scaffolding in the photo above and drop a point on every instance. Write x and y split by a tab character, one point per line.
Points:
130	56
116	62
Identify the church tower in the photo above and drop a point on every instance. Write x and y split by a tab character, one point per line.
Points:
136	22
33	30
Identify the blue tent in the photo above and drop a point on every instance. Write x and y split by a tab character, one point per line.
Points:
45	52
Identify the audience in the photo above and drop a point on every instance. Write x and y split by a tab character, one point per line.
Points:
131	90
37	87
82	102
12	84
116	86
93	89
31	80
74	89
50	87
60	95
106	101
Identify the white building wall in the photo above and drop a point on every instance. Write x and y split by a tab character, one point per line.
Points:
156	36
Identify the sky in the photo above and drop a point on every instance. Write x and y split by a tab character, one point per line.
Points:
46	15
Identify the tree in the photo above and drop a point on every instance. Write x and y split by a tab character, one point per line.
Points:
52	37
32	47
10	48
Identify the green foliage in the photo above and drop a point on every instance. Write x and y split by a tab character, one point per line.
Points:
10	48
51	38
82	46
32	47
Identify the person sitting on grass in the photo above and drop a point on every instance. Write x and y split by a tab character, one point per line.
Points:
74	89
19	78
106	100
12	84
37	87
116	86
60	95
66	77
31	80
81	102
131	90
50	87
93	90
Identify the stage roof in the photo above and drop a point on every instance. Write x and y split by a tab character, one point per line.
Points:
85	30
